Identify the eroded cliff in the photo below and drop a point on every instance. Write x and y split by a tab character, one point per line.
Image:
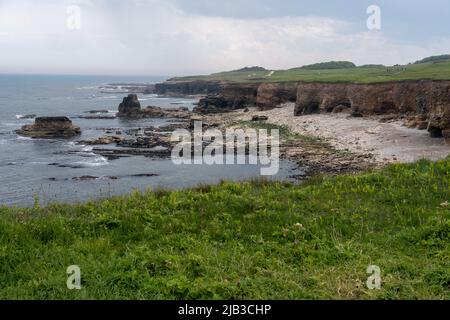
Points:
425	104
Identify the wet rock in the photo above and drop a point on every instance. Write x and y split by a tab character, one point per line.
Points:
85	178
97	111
103	140
50	127
98	117
144	175
260	118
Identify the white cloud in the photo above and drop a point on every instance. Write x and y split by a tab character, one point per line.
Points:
156	37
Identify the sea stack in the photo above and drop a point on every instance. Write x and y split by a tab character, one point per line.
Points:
130	106
50	127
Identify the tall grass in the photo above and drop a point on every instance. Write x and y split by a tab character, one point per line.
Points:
254	240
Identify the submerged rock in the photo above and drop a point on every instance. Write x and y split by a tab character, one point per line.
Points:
260	118
50	127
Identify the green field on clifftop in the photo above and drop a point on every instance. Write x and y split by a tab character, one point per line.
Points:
255	240
363	74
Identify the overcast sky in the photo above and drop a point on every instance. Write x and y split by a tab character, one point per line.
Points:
180	37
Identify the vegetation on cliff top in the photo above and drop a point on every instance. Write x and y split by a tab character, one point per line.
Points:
435	59
255	240
433	68
329	65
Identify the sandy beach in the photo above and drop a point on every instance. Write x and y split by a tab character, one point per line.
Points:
388	142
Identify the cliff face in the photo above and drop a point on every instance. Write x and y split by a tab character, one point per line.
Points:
233	96
273	94
176	88
427	101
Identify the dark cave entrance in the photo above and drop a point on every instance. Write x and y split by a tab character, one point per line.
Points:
386	107
339	106
435	132
312	107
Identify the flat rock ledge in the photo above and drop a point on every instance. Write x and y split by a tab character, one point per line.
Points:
50	128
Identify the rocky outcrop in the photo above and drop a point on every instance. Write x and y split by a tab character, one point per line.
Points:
426	102
50	127
270	95
233	96
177	88
130	106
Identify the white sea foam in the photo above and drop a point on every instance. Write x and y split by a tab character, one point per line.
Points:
88	88
98	161
87	148
109	97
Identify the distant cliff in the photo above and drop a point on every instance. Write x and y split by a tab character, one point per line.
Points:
177	88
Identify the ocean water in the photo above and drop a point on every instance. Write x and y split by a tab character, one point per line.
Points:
26	172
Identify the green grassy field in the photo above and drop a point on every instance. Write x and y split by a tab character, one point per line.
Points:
376	74
255	240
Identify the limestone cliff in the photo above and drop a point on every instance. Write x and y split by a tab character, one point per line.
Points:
233	96
177	88
426	101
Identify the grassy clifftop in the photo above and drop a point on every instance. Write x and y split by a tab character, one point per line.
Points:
364	74
253	240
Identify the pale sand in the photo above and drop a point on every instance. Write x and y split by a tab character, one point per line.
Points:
388	142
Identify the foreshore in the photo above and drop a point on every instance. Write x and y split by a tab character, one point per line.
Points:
353	144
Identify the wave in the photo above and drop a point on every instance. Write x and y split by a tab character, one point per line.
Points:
109	97
98	161
88	88
87	149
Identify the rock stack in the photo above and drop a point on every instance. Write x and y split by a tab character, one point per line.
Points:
130	106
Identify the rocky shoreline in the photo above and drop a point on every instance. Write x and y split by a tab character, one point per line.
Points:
334	128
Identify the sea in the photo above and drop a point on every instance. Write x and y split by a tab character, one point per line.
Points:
28	174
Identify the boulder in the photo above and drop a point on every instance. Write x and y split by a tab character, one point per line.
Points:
50	127
260	118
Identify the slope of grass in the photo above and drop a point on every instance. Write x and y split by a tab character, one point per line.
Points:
364	74
254	240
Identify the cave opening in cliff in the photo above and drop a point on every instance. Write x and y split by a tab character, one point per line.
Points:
436	132
313	107
386	107
339	106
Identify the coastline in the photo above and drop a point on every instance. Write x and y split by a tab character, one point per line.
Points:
385	142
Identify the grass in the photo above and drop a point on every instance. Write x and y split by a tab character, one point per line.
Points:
254	240
368	74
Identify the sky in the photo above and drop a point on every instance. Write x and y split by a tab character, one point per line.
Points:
187	37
